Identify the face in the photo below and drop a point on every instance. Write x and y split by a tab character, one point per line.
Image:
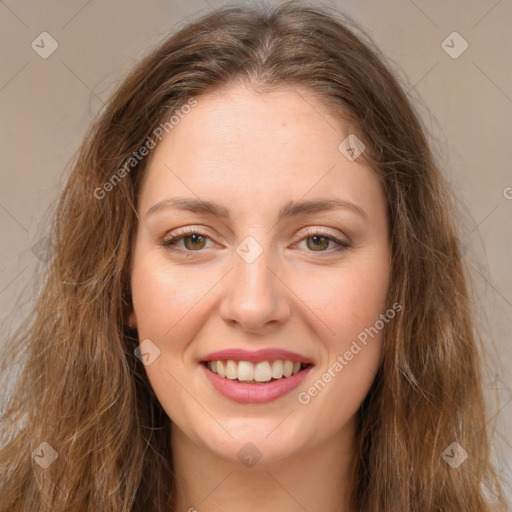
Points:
292	264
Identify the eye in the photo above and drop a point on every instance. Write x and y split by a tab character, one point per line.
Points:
318	241
194	240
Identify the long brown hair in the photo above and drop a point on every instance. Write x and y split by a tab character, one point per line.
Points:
84	393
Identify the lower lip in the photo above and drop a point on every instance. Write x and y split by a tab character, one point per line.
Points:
255	393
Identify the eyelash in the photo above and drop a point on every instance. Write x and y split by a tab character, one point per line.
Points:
168	243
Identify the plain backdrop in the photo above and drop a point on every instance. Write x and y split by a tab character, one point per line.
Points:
464	95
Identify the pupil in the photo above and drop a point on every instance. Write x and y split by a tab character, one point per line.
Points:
193	240
317	241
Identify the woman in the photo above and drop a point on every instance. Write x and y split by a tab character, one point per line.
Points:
256	299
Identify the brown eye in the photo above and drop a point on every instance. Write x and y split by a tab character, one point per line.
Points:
318	242
187	242
197	241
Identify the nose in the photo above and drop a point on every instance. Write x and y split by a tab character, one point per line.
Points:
255	297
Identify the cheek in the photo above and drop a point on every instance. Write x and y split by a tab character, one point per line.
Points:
166	302
349	299
163	296
351	306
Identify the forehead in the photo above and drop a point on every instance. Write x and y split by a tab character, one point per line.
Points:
282	119
240	143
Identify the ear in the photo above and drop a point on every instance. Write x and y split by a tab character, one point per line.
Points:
132	319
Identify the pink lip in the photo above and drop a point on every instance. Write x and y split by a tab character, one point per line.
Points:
266	354
255	393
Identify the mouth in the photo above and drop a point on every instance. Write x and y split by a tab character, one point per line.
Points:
259	373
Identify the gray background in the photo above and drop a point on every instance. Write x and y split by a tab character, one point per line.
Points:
47	103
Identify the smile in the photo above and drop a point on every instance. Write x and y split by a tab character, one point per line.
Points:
255	373
252	382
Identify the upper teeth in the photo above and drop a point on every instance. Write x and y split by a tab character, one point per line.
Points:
260	372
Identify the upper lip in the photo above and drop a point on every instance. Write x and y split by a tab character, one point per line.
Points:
255	356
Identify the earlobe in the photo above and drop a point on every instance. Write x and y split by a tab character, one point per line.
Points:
132	320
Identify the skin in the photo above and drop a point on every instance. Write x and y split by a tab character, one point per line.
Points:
252	153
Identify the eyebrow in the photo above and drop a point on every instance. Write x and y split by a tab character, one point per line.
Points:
290	209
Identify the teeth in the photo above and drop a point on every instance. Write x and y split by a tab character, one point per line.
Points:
231	370
221	370
287	368
245	370
277	369
263	371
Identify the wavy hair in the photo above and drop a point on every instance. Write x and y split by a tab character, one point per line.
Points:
82	390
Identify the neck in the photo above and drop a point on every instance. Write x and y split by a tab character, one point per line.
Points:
319	478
